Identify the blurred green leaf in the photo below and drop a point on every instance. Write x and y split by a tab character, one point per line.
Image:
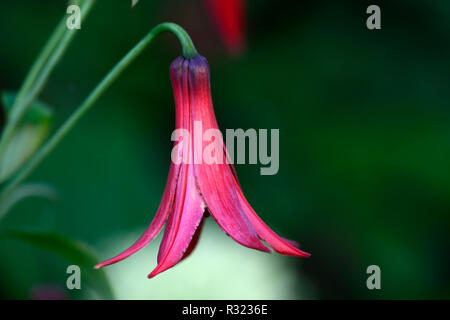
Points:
74	252
28	137
25	191
134	2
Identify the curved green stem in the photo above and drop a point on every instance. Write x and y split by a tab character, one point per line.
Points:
39	73
189	51
187	46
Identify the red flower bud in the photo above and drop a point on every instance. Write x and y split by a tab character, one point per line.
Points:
229	18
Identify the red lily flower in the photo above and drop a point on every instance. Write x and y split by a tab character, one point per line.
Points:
229	17
194	189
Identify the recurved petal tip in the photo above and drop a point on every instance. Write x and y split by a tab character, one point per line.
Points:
153	273
104	263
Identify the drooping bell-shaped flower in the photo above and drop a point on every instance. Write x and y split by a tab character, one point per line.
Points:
197	187
229	18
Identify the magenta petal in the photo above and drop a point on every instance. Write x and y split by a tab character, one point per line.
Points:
246	204
183	222
215	180
195	239
279	244
291	242
158	221
189	206
223	204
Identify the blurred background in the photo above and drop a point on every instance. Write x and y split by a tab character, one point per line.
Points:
364	119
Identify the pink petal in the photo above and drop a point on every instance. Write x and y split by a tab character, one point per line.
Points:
238	186
158	221
195	238
215	180
181	121
183	221
189	205
279	244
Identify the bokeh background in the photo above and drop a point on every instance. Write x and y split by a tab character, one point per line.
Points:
364	119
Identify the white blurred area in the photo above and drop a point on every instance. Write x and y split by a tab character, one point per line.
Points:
218	268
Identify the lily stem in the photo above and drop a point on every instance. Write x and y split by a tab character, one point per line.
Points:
189	52
39	73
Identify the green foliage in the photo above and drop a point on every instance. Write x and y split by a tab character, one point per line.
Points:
27	138
24	191
73	251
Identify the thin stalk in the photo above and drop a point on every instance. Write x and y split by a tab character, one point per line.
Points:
188	50
40	71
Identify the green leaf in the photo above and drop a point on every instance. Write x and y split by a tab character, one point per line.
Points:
29	136
9	200
74	252
134	2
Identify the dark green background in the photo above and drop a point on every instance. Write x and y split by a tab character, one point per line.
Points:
364	125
